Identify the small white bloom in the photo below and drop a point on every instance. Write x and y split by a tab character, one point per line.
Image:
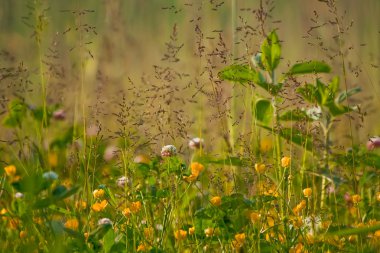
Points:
19	195
122	181
314	113
105	221
168	150
196	143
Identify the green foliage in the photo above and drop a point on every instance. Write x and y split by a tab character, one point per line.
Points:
16	113
263	111
311	67
271	52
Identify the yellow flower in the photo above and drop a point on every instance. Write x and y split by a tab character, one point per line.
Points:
260	168
180	234
10	170
211	232
196	168
80	204
86	235
142	247
265	145
285	161
300	207
98	193
254	216
191	178
53	159
191	230
378	196
356	198
377	234
307	192
72	224
216	201
135	207
239	241
99	206
148	233
127	212
23	234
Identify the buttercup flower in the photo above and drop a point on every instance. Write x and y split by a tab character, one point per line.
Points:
191	178
98	193
260	168
239	241
180	234
211	232
356	198
307	192
196	168
285	161
72	224
191	230
10	170
99	206
378	196
23	234
53	159
168	150
216	201
135	206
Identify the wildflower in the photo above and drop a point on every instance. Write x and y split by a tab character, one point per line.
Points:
373	143
168	150
260	168
53	159
216	201
143	247
159	227
99	206
23	234
254	216
104	221
142	159
80	205
72	224
196	143
10	170
50	176
285	161
307	192
378	196
314	113
377	234
126	212
109	153
211	232
98	193
148	232
196	168
191	230
59	114
239	241
180	234
300	207
19	195
86	235
356	198
122	181
191	178
135	207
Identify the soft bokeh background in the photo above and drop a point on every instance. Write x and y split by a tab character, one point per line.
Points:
163	57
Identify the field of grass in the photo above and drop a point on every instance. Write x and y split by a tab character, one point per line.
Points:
189	126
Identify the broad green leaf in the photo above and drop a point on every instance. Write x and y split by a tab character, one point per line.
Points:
309	67
293	135
295	115
271	52
238	73
108	240
16	113
263	111
346	94
337	109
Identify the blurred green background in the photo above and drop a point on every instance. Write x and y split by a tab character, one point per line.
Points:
164	57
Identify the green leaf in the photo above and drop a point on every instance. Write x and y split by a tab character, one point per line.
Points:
108	240
295	115
238	73
309	93
271	52
263	111
16	112
311	67
346	94
293	135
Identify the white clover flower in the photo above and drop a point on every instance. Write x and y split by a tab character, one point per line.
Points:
168	150
104	221
122	181
196	143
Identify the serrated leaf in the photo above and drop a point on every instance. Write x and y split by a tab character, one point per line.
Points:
271	52
263	111
311	67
